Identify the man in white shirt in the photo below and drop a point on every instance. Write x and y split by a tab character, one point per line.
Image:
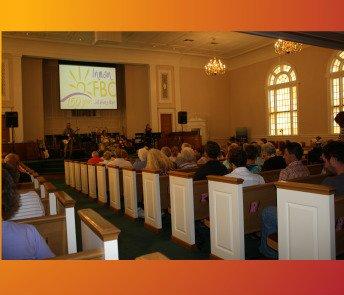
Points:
238	158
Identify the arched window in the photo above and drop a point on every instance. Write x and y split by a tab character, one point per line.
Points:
282	98
337	88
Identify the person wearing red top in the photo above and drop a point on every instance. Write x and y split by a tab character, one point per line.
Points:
95	159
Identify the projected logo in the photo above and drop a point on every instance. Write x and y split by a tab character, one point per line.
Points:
84	87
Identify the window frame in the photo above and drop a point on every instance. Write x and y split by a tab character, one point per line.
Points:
331	76
275	87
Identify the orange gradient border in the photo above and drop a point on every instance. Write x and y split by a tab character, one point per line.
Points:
172	277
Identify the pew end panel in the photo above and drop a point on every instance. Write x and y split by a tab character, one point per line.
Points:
101	183
130	193
77	175
114	187
72	174
226	217
92	181
152	200
311	206
84	178
182	208
66	170
98	233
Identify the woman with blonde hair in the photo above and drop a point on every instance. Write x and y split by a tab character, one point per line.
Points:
106	157
156	160
187	159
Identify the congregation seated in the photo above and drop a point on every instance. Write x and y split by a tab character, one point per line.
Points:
293	156
19	241
179	160
174	153
227	164
158	161
271	160
252	154
186	159
213	166
333	156
141	162
95	159
238	158
121	159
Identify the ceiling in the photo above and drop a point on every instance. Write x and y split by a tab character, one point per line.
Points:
227	44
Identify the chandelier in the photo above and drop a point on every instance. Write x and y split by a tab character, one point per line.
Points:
215	67
284	47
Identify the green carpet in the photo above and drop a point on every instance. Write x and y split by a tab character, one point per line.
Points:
135	240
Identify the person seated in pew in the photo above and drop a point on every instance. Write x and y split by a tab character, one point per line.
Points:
174	153
315	154
213	165
340	121
295	169
12	163
121	159
156	160
19	241
106	158
293	156
187	159
95	159
271	161
179	159
252	154
238	158
141	162
167	151
227	164
333	155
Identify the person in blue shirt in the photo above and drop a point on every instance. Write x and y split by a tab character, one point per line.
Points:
19	241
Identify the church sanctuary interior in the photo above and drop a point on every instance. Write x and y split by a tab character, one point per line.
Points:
173	145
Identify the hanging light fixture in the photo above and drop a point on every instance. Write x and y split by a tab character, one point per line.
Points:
285	47
215	66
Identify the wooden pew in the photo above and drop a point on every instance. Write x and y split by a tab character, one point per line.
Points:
102	183
115	175
306	221
72	174
59	229
156	198
188	203
92	181
234	212
77	175
84	177
66	170
99	238
132	191
273	175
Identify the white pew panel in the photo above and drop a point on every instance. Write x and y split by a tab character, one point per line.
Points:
101	183
92	181
306	221
114	187
84	178
226	217
77	175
